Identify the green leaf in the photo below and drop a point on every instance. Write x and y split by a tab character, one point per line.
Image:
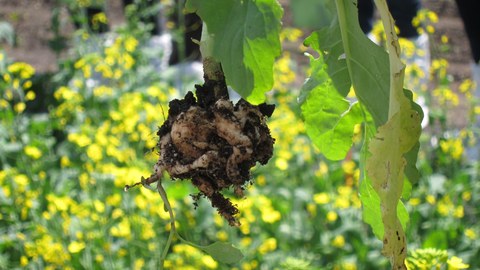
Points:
372	214
368	63
246	41
329	118
328	41
223	252
317	77
371	207
353	59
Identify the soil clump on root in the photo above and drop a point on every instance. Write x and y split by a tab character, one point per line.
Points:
214	143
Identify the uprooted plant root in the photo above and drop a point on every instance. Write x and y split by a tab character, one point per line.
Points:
214	143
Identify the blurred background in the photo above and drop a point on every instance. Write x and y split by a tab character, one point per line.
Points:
85	84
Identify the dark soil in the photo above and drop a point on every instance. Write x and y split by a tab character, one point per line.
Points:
214	143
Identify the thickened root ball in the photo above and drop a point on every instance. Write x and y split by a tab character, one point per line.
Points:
214	143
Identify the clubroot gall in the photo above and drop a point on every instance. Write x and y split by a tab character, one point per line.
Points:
214	143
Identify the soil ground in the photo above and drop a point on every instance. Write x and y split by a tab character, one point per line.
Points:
31	20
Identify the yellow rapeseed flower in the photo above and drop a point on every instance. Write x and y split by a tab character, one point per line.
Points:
122	252
7	78
332	216
453	146
291	34
222	236
65	161
342	202
139	264
21	180
81	140
95	152
128	61
321	198
209	262
24	70
431	199
444	39
432	16
122	229
261	180
117	213
466	196
87	71
4	104
338	241
3	175
99	258
458	212
184	248
130	44
27	84
102	91
32	151
348	166
76	246
414	201
467	86
470	233
141	202
8	94
23	260
270	215
100	18
113	200
20	107
430	29
455	263
281	164
30	95
99	206
267	246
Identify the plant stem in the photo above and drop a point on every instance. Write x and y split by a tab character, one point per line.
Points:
173	230
342	18
397	68
212	69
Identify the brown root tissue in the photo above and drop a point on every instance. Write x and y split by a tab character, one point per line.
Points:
214	143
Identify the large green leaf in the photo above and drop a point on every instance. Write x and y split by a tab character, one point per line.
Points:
354	60
329	117
245	41
347	46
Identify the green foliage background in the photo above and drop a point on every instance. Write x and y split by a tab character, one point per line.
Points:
63	171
